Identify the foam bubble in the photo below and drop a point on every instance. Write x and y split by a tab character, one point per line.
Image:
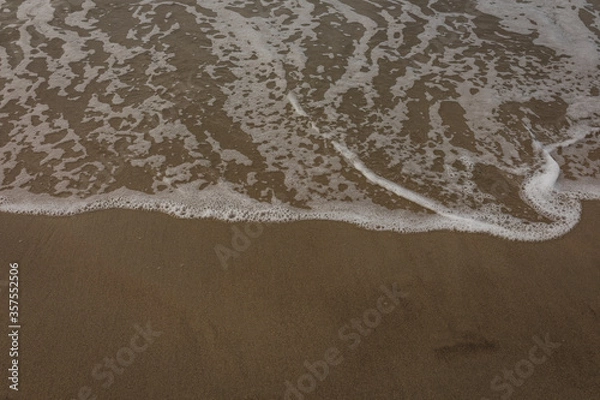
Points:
389	115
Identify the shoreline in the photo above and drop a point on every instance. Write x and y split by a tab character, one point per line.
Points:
150	292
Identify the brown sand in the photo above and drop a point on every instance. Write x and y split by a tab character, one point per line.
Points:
473	305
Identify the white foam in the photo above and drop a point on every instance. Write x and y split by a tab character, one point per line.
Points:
384	183
375	110
297	107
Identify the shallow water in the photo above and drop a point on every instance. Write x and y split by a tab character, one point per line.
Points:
402	115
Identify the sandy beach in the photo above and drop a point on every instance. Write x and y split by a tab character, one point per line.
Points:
137	305
399	115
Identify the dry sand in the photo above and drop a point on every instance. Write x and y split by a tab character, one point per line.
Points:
472	307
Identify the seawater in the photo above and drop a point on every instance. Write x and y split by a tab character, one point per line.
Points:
405	115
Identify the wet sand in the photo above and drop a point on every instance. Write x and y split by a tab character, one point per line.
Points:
136	305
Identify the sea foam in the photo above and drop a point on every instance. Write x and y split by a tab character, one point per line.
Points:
392	115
